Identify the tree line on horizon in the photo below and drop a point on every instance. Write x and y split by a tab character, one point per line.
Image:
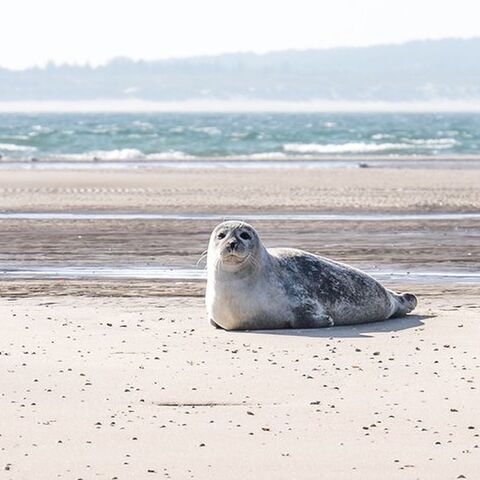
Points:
415	71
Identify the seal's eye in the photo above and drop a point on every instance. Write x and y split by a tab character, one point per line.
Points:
221	235
245	236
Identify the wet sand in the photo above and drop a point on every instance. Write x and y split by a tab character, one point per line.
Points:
242	191
125	379
439	245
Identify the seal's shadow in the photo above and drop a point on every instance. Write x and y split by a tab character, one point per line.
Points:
354	331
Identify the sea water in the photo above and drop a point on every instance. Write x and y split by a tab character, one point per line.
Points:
183	137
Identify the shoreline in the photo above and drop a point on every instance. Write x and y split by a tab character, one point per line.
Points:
245	216
283	158
20	289
386	273
255	162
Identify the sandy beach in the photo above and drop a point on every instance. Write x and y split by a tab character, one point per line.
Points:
124	378
136	137
242	191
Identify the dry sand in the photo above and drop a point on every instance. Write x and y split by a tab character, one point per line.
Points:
125	379
115	388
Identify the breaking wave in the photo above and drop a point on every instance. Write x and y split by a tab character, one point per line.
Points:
261	156
362	147
124	154
12	147
434	142
354	147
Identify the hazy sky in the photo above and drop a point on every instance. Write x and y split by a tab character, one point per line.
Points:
35	31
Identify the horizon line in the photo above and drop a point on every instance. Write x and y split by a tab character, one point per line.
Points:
239	105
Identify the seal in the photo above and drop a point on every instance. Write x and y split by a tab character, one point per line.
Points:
251	287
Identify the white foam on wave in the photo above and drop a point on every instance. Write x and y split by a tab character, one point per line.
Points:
117	154
352	147
362	147
208	130
123	154
170	155
177	129
18	137
262	156
381	136
143	125
41	128
434	142
12	147
102	129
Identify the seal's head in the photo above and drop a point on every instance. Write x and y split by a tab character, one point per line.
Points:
233	246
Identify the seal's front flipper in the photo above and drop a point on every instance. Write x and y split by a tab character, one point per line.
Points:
313	321
215	324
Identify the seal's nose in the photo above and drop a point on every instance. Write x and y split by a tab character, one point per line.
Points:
232	244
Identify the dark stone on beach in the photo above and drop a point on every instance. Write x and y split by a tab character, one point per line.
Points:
363	165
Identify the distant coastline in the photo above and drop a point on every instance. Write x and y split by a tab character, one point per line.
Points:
427	75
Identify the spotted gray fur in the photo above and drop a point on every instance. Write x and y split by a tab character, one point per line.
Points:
252	287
